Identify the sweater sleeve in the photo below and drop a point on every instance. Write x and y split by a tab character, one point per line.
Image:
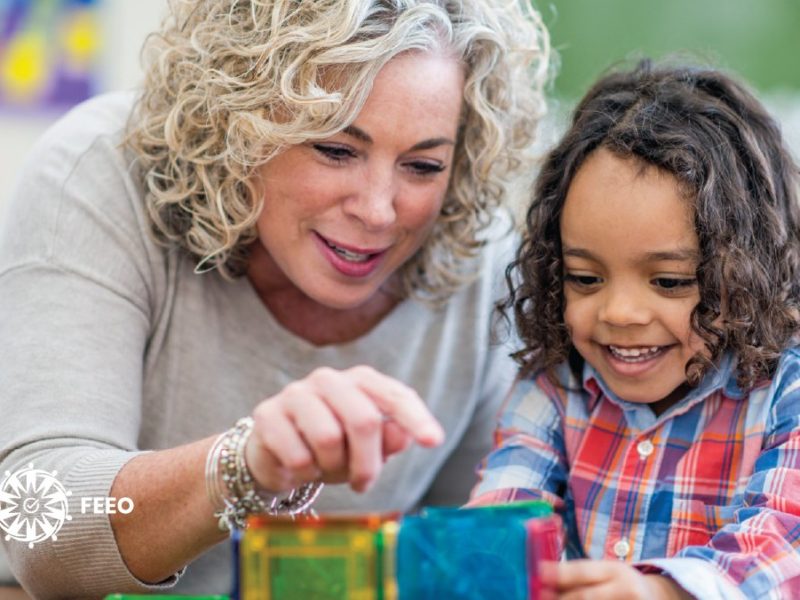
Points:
76	299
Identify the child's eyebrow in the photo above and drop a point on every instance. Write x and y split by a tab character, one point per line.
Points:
678	255
577	253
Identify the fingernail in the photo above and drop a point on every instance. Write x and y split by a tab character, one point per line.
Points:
433	434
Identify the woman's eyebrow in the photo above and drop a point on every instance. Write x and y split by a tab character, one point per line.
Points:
357	133
431	143
363	136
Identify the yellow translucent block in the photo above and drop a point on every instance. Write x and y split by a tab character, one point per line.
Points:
330	558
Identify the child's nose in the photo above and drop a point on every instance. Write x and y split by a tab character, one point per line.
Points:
622	305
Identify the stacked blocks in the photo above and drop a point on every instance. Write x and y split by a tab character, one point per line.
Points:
441	554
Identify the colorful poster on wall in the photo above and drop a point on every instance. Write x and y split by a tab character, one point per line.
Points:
49	52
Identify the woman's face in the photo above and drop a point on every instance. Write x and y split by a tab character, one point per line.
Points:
341	215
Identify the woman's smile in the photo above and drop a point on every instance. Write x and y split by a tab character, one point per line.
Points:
348	261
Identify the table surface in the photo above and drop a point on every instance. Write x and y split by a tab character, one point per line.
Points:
13	593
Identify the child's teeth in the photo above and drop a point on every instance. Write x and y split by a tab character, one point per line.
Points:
642	353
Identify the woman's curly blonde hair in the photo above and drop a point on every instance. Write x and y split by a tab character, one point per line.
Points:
230	83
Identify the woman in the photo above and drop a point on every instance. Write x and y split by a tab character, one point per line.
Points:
293	226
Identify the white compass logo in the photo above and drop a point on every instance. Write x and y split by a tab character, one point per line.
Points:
33	505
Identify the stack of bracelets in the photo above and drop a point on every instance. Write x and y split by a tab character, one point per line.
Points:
231	486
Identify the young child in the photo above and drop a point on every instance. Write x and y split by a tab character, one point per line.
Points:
657	292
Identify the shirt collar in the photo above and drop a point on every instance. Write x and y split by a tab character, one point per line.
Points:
720	377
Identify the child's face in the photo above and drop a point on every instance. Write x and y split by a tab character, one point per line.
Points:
630	255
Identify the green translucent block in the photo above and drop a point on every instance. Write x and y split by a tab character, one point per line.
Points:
330	558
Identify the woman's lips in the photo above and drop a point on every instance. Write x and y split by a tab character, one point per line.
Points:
349	248
349	260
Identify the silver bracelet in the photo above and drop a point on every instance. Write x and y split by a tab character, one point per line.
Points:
232	490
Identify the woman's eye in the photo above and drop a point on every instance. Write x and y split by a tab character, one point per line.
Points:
674	283
582	280
334	152
421	167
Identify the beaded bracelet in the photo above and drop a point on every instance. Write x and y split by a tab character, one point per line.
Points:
232	490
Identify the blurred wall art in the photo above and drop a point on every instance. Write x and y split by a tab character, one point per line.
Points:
49	51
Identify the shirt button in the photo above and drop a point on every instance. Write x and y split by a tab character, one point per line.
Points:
621	549
645	448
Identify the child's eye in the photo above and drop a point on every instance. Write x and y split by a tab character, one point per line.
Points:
424	167
334	152
582	281
674	284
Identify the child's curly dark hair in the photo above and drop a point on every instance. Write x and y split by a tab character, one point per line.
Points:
729	158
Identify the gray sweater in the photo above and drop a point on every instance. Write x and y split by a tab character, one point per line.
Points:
111	346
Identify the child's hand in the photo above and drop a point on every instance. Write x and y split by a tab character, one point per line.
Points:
599	579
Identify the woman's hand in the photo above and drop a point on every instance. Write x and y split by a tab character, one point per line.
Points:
600	579
336	426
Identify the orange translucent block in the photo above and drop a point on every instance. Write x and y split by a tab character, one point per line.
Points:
332	557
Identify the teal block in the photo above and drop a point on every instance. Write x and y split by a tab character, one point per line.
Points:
473	554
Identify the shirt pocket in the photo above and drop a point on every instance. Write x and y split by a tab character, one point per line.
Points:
695	522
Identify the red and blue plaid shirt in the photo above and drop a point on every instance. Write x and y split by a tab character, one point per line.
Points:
707	493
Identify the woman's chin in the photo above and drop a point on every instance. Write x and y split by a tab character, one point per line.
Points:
344	298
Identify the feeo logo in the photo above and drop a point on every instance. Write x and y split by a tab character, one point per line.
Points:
34	505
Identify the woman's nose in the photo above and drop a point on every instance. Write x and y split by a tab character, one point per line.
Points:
373	202
624	305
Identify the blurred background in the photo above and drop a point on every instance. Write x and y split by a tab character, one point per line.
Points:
54	53
758	40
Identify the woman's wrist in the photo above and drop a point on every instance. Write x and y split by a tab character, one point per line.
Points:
233	491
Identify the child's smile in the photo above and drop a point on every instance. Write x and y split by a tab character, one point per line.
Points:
633	360
630	256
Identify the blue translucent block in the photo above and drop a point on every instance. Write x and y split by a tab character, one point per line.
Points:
489	552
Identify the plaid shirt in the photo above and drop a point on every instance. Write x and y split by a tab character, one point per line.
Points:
708	492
